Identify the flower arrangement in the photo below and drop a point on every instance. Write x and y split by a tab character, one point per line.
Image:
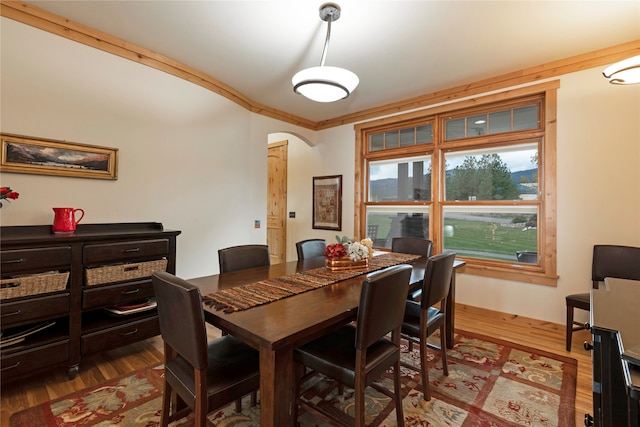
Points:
335	251
7	194
352	249
357	251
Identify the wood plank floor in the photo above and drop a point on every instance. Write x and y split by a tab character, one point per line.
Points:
100	367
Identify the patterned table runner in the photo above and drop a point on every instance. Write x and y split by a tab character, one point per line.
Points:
264	291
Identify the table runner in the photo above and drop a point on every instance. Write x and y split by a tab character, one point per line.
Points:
267	290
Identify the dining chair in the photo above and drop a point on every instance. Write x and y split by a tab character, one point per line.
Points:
622	262
412	245
199	376
311	248
242	257
421	319
358	355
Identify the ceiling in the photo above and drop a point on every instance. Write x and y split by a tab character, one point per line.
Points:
399	49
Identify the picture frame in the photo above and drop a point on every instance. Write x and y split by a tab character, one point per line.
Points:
327	202
40	156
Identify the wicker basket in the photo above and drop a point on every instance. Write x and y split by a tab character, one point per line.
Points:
33	284
345	264
121	272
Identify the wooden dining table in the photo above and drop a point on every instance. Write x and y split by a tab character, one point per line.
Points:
278	327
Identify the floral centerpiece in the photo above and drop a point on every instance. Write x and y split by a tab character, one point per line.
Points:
348	254
7	194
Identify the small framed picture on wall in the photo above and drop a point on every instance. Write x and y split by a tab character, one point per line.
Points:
327	202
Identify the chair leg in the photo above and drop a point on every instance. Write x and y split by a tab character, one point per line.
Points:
424	369
201	407
359	397
443	349
397	388
166	405
359	386
569	332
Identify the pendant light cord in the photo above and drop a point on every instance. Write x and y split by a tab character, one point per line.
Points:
326	41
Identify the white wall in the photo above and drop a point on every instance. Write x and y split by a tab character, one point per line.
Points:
189	159
598	180
334	156
598	193
197	162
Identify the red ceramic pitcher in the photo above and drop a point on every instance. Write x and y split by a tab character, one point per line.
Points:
64	220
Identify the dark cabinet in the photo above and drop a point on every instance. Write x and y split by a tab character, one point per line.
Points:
616	383
62	285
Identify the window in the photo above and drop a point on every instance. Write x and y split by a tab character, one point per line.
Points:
400	138
476	177
487	227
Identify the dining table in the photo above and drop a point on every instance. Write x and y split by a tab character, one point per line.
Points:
276	328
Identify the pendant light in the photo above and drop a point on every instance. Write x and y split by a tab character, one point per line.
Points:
625	72
322	83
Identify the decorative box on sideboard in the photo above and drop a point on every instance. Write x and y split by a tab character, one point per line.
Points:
60	292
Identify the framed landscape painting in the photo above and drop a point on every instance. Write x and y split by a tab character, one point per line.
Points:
25	154
327	202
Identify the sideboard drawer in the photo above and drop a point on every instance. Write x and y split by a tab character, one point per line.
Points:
25	362
40	308
114	252
106	296
35	259
120	335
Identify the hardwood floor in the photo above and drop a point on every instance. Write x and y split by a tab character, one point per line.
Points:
100	367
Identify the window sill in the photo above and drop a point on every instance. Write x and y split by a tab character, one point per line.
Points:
527	276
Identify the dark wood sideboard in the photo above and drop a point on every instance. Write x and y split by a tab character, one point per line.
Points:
97	267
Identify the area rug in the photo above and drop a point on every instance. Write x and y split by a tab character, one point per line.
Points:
490	383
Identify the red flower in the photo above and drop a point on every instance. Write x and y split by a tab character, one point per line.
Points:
334	251
7	193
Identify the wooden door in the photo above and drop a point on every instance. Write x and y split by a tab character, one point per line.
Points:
277	201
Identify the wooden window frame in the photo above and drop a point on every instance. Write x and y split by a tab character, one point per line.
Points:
546	272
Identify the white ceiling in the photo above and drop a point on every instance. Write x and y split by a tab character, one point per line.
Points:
399	49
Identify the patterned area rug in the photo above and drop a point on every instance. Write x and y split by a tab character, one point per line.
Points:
490	383
268	290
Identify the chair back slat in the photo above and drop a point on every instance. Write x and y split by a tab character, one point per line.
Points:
242	257
181	317
622	262
412	245
382	302
437	279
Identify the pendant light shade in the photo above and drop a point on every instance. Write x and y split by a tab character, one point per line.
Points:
325	84
625	72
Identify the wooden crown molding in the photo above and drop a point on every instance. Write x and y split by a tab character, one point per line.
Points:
46	21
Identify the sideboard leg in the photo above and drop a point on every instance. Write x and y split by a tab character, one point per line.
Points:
73	371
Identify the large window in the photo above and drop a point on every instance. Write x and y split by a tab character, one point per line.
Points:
476	178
